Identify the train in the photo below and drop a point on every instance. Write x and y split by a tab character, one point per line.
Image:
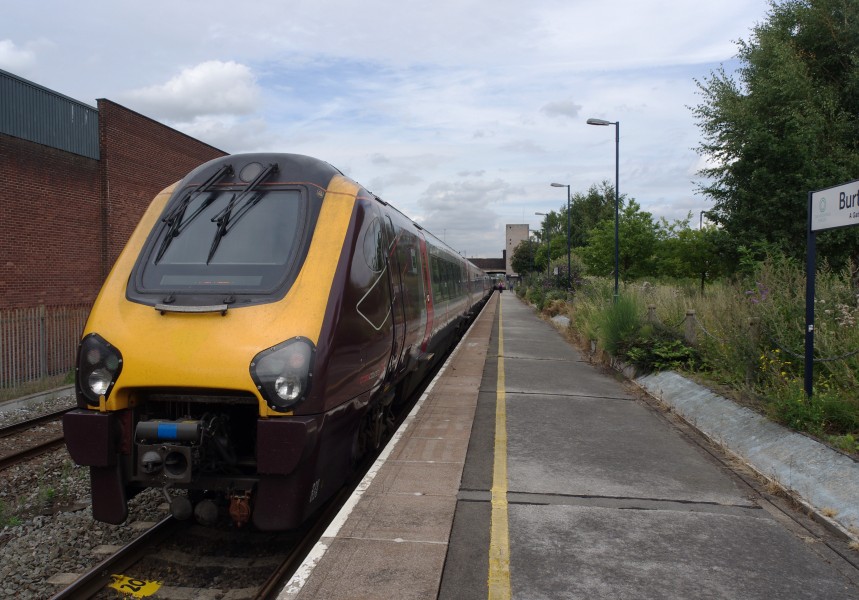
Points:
255	339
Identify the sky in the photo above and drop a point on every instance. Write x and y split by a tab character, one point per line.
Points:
460	113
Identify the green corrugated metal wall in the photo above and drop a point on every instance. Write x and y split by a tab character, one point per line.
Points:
32	112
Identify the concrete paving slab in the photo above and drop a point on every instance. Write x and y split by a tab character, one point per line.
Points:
537	348
826	480
457	427
599	447
418	478
408	518
431	449
553	377
363	568
591	552
446	410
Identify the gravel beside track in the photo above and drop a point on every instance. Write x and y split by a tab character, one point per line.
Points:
46	524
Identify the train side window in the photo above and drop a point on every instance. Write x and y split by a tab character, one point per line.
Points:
374	246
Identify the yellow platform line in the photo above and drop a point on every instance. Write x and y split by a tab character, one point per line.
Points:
499	541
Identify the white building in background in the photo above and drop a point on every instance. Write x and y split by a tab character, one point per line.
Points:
516	234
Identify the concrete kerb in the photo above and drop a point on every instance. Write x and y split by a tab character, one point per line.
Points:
33	399
819	478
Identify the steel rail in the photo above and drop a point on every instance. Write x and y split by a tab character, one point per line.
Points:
16	457
94	580
29	423
307	540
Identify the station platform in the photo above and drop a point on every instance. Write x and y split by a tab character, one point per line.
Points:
526	472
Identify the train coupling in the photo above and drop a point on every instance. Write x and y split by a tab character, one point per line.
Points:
164	448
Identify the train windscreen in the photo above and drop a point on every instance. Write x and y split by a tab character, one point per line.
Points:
225	241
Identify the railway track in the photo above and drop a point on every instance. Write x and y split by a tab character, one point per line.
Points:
18	442
180	559
213	562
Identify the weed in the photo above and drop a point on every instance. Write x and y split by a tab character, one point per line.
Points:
845	443
6	518
46	495
618	323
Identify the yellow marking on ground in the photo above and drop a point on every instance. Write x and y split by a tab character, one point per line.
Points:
499	542
136	588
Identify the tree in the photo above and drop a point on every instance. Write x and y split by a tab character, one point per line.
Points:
638	237
523	257
588	210
786	123
683	252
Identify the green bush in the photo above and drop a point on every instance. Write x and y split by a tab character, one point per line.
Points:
825	412
656	349
617	324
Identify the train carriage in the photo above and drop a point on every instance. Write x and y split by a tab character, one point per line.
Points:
253	338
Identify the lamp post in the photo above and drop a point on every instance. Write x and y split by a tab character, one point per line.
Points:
569	270
548	245
616	124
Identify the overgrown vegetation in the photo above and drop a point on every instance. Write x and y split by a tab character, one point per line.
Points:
748	336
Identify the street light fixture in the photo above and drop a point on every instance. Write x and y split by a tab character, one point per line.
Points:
569	270
548	245
603	122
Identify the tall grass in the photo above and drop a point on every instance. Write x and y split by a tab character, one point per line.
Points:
749	336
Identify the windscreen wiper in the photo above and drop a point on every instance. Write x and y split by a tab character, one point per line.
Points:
175	220
245	199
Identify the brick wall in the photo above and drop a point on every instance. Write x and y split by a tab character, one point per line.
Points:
64	218
49	216
139	158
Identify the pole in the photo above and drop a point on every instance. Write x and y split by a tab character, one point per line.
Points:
548	250
616	207
569	269
810	273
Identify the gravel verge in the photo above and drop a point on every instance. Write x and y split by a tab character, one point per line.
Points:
46	524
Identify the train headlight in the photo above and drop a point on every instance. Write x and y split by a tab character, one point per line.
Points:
99	365
283	374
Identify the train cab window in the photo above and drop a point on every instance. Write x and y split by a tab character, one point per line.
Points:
221	243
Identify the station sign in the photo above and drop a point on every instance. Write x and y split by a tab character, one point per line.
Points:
835	207
827	209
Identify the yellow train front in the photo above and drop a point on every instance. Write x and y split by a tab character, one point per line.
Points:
253	337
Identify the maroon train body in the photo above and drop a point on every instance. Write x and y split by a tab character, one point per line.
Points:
255	337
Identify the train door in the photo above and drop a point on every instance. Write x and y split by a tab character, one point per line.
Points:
398	293
414	305
428	305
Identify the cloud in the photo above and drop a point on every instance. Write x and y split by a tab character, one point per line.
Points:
210	88
231	134
564	108
459	122
523	147
15	59
463	213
